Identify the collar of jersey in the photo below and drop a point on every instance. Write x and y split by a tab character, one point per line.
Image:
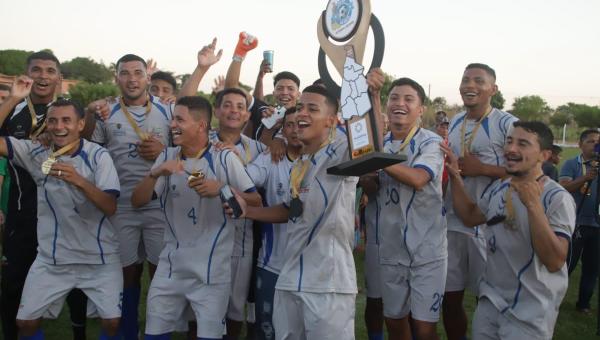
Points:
201	156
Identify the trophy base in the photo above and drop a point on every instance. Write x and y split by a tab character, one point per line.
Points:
365	164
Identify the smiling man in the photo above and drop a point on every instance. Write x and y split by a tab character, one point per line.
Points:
77	189
135	133
530	220
316	289
195	265
477	136
23	115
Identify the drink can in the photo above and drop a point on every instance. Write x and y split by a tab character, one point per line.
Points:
268	57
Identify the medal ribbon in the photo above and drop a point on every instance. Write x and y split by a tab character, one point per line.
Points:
464	146
409	137
64	149
143	135
35	131
509	208
300	170
197	157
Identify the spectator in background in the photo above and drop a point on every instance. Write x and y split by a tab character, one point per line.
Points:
163	85
550	166
441	125
579	176
4	92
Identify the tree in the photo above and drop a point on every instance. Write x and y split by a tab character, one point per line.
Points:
85	93
584	115
439	103
498	100
559	119
531	108
385	89
86	69
13	62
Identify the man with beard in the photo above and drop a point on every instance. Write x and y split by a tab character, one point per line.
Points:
135	133
77	188
477	136
316	289
531	219
23	116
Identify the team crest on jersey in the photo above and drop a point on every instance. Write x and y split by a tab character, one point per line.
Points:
118	125
280	191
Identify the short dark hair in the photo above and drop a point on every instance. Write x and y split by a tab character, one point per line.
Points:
229	90
286	75
64	102
130	57
484	67
165	76
543	132
556	149
411	83
197	103
43	55
4	87
329	97
586	133
288	112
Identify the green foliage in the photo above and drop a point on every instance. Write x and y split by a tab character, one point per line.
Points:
531	108
385	89
559	119
585	116
439	103
12	62
86	69
86	93
498	100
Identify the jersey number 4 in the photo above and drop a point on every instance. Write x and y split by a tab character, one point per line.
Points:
192	214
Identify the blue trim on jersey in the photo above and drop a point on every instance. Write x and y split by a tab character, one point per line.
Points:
563	235
98	239
412	198
426	168
250	190
9	148
548	197
413	143
38	150
485	124
377	212
458	121
502	124
86	160
55	221
222	155
97	153
79	149
209	159
212	249
267	231
162	110
167	184
115	110
516	298
313	229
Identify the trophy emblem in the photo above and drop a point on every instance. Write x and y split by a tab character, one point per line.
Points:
347	23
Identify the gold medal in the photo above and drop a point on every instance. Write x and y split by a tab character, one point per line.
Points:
47	165
196	175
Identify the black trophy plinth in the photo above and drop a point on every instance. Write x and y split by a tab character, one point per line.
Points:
365	164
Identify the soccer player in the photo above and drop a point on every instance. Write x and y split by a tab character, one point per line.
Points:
274	178
531	219
412	227
316	289
550	166
4	92
579	176
163	86
195	264
23	116
477	136
135	133
231	112
77	187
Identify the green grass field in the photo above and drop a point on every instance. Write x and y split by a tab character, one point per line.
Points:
570	326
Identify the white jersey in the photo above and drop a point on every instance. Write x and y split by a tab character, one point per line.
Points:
412	228
199	236
248	150
515	280
372	220
70	229
275	179
121	140
319	253
488	146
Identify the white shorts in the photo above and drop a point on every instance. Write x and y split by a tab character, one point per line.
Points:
47	287
372	271
136	228
313	316
168	300
241	271
466	261
489	323
418	290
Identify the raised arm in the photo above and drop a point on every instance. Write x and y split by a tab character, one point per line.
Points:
246	42
206	58
258	87
21	88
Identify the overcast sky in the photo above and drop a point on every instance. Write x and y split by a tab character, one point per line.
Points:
546	47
